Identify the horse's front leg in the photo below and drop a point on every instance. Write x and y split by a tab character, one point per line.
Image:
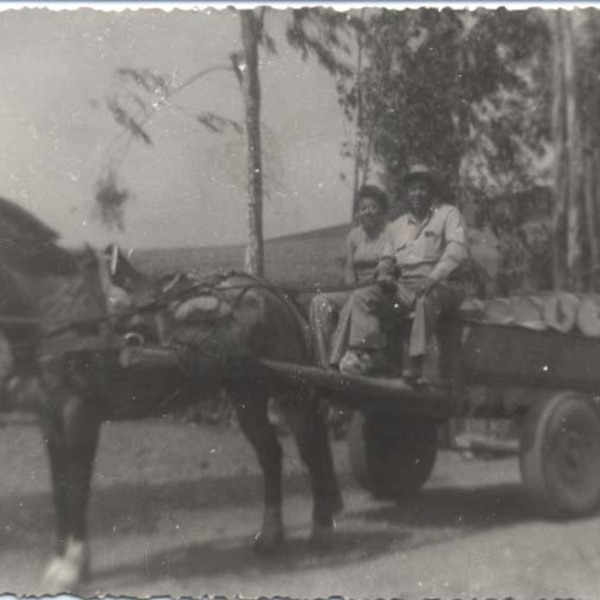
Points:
251	405
70	425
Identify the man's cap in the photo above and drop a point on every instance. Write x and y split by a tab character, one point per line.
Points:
421	172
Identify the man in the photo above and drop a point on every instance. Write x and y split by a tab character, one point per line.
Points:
425	246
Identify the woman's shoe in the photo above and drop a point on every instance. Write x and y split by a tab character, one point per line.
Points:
362	362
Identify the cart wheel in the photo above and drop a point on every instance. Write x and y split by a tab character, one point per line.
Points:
560	455
392	457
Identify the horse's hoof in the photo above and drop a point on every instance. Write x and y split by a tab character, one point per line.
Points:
62	575
322	537
54	567
268	544
66	573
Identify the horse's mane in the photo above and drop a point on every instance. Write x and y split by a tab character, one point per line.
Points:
27	243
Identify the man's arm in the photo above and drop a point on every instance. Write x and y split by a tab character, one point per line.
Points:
455	251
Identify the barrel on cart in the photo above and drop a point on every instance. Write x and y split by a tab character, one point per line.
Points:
549	382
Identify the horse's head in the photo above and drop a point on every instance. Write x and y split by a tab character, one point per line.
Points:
18	322
28	245
43	285
27	248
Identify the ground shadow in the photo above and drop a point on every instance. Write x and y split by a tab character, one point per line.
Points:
137	508
235	556
469	508
438	515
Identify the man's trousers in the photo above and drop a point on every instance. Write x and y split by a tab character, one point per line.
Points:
371	306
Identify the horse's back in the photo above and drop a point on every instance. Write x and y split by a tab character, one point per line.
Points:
275	325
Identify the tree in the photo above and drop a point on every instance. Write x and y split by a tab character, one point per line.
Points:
341	41
250	82
142	93
587	57
576	138
565	133
138	111
466	91
440	84
313	32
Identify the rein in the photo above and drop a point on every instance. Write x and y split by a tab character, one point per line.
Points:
198	288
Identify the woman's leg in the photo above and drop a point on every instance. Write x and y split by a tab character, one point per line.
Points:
322	315
341	335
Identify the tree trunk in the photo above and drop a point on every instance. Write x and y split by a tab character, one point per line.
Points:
591	217
254	260
558	128
595	190
574	160
359	143
567	251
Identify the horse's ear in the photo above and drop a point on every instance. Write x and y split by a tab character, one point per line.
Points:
114	259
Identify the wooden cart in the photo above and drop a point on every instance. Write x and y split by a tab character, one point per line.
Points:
548	381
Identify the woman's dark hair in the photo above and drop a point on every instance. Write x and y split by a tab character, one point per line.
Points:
374	192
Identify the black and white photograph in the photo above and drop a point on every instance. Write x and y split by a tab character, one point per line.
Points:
300	301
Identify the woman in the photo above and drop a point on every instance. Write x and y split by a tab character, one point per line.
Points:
364	246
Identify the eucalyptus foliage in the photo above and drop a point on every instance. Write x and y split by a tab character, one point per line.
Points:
464	91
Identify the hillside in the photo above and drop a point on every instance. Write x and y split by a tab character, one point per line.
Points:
310	258
313	258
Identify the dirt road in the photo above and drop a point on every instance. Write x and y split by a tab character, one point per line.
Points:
175	506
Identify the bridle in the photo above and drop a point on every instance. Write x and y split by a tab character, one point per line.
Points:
167	297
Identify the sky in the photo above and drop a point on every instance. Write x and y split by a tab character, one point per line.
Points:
188	188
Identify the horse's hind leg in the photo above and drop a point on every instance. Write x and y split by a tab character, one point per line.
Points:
71	425
251	405
310	430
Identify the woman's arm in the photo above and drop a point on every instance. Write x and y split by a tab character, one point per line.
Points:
349	268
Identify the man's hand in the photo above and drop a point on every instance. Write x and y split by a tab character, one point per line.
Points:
387	283
424	286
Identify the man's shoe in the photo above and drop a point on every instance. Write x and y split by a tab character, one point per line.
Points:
361	362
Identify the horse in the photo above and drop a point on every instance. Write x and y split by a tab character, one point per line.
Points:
54	308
